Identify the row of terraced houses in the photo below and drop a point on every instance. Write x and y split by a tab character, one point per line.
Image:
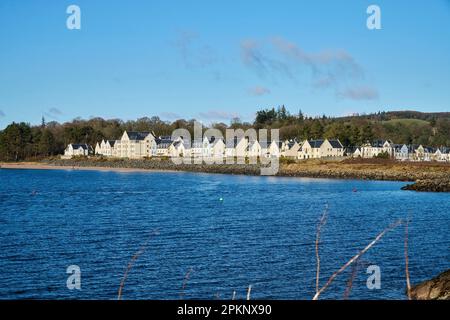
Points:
137	145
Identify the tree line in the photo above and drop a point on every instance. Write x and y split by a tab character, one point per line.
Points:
19	141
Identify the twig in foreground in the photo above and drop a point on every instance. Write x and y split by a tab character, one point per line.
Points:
322	222
349	287
408	284
132	261
249	291
186	279
356	257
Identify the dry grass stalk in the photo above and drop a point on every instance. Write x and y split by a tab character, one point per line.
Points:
131	263
322	222
186	279
408	283
249	291
356	257
352	277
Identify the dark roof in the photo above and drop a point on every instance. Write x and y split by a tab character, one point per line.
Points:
379	143
163	143
315	143
82	146
134	135
291	143
352	149
335	143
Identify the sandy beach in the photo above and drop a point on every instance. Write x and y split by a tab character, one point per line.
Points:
40	166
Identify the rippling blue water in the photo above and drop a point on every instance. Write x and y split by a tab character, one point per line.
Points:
262	234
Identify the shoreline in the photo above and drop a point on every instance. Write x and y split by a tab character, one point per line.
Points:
40	166
432	177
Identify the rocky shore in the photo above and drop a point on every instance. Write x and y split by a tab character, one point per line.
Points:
435	289
433	177
427	185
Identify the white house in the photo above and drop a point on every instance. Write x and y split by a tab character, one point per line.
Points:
135	145
275	148
403	152
105	148
357	153
253	149
313	149
441	154
179	148
98	149
291	148
206	147
236	147
422	153
373	149
74	150
162	146
217	148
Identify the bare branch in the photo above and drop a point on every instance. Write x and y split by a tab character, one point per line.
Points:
349	287
359	254
249	291
186	279
322	222
408	283
131	263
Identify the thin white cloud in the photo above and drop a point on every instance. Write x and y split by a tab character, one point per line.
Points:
334	63
194	54
53	113
359	93
254	56
217	115
335	69
170	115
259	91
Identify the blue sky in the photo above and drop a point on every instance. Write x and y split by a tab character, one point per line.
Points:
215	59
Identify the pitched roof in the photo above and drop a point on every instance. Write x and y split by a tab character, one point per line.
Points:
291	143
379	143
315	143
335	143
216	141
82	146
135	135
163	143
112	142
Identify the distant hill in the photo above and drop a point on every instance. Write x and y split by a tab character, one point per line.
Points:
407	114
